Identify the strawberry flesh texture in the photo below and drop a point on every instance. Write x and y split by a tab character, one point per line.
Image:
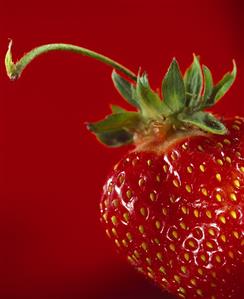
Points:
177	216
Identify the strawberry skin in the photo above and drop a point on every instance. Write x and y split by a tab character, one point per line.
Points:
177	216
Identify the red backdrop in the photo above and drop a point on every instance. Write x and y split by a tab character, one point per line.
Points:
51	169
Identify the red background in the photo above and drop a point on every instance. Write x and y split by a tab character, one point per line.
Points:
51	169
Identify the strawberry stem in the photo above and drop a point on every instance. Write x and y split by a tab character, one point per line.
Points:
14	70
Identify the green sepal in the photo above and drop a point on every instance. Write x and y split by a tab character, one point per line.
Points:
208	80
205	121
193	80
220	89
173	88
149	101
125	88
118	121
115	138
117	109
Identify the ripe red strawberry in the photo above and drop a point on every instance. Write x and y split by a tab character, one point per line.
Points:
173	206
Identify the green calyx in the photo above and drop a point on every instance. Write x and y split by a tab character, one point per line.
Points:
179	105
184	99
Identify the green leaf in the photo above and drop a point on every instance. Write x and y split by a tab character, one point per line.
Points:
148	100
220	89
115	138
173	88
205	121
193	83
208	79
113	122
125	88
117	109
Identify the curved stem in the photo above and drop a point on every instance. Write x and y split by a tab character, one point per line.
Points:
14	70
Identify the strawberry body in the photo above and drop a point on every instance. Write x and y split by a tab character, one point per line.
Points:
177	215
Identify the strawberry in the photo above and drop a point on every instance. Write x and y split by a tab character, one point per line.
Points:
173	206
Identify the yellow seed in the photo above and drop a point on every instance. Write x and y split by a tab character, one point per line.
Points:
209	244
242	169
220	144
129	193
148	260
213	297
237	183
203	258
233	197
176	183
220	162
187	256
158	178
199	292
223	238
105	217
143	211
184	209
162	269
209	214
193	281
144	246
236	234
114	232
129	236
204	191
141	182
182	290
182	225
231	254
124	242
136	253
200	271
177	278
218	258
126	217
218	197
114	220
165	168
188	188
200	148
228	159
175	234
196	213
222	219
189	169
218	177
183	269
202	168
141	229
157	241
158	224
211	232
121	179
233	214
152	196
172	247
117	243
191	243
227	141
149	162
159	256
164	211
214	274
115	203
108	233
